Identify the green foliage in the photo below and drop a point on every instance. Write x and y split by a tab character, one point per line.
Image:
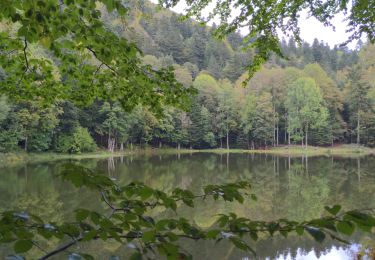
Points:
305	108
78	141
74	58
264	21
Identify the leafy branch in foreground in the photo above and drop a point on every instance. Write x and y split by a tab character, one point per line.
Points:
62	50
130	220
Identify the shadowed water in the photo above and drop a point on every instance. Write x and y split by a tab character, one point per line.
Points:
296	188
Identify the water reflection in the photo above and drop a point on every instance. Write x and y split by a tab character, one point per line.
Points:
287	187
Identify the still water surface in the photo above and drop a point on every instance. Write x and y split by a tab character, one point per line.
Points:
295	188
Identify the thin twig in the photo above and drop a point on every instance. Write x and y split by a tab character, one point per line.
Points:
96	56
25	55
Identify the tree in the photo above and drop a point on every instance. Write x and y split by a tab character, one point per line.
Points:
264	119
304	104
333	100
264	20
226	112
80	56
113	125
248	112
357	98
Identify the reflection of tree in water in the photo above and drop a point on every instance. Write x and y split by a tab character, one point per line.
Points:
298	191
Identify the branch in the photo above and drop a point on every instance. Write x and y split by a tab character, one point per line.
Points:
67	245
96	56
24	54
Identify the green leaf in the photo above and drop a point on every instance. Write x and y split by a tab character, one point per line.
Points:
240	244
345	227
148	236
333	210
22	246
299	230
316	233
212	234
82	214
89	235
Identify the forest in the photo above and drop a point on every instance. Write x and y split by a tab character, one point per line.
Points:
316	95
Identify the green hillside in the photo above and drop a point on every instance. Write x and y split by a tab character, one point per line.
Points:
300	100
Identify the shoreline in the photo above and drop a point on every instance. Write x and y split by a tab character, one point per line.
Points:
15	158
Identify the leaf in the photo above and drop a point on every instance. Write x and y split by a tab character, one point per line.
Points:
89	235
146	193
333	210
299	230
212	234
240	244
316	233
22	246
82	214
345	227
148	236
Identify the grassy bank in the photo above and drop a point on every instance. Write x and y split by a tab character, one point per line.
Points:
344	150
23	157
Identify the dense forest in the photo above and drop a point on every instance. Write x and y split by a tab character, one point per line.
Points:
317	95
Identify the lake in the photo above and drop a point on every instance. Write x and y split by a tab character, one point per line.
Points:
296	188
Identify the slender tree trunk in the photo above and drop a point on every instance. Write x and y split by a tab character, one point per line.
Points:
358	126
109	143
285	141
221	142
179	146
307	129
274	127
277	134
227	138
122	147
160	144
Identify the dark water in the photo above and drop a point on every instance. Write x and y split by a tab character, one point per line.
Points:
296	188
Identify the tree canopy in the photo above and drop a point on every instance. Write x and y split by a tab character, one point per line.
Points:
62	50
263	19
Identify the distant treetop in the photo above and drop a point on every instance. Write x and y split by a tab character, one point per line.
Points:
264	18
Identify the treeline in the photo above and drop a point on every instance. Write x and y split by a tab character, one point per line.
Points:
319	96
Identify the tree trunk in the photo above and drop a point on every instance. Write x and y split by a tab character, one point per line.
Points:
358	126
274	127
307	129
277	134
122	147
227	139
131	145
179	146
221	142
160	144
26	143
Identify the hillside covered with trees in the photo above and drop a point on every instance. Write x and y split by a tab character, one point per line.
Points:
318	96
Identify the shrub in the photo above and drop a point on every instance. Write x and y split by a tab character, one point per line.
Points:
78	141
